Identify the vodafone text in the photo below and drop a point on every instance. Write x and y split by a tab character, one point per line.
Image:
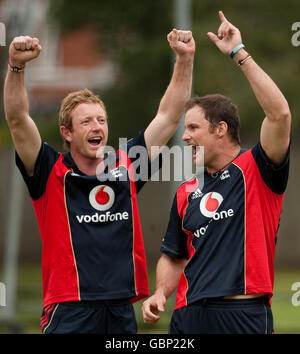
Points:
224	214
102	217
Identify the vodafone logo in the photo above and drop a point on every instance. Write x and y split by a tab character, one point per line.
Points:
210	203
102	197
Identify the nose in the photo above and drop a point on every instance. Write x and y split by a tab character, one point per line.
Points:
96	124
185	136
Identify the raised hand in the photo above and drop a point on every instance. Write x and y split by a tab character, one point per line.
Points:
23	49
182	42
228	38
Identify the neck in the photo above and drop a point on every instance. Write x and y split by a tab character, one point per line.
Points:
88	166
221	163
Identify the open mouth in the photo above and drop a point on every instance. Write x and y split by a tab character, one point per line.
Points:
95	141
194	149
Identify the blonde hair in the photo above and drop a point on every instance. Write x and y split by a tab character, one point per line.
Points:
70	102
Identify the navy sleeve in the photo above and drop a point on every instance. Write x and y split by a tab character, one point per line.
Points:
36	183
136	150
275	177
174	244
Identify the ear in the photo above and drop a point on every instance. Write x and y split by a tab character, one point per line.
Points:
66	133
221	129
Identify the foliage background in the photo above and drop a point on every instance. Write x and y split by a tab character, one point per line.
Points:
133	34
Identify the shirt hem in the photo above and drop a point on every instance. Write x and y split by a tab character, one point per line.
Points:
240	291
133	297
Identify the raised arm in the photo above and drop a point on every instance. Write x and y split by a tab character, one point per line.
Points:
171	108
25	135
275	129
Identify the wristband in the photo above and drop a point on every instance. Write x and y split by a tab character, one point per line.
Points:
15	69
242	61
236	49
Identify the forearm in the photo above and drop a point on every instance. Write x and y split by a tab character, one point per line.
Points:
168	272
172	105
179	90
15	98
265	90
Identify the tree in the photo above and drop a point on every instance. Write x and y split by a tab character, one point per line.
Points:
133	34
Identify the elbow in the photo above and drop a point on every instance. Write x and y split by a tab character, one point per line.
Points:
283	114
15	120
11	119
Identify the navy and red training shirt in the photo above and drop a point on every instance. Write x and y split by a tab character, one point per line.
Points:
90	229
227	229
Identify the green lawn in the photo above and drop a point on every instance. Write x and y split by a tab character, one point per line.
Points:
286	316
29	306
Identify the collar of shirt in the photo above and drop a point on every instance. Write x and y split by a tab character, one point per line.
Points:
110	160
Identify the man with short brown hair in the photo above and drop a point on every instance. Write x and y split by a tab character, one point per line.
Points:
219	247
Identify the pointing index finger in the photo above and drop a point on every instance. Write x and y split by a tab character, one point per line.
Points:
222	16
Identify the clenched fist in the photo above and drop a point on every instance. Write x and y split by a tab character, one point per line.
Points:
23	49
182	42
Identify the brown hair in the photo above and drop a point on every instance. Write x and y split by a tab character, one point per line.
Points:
70	102
219	108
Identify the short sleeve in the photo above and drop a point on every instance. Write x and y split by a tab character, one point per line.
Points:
45	161
275	177
174	244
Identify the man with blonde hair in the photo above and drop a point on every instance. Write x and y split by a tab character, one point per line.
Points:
93	259
70	102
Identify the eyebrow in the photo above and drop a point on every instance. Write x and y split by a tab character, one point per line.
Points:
89	117
193	123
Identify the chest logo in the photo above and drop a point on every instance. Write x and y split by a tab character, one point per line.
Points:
224	175
210	203
102	197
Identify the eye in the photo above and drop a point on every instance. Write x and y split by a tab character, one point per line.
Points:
101	120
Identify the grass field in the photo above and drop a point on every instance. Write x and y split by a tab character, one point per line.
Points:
29	306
